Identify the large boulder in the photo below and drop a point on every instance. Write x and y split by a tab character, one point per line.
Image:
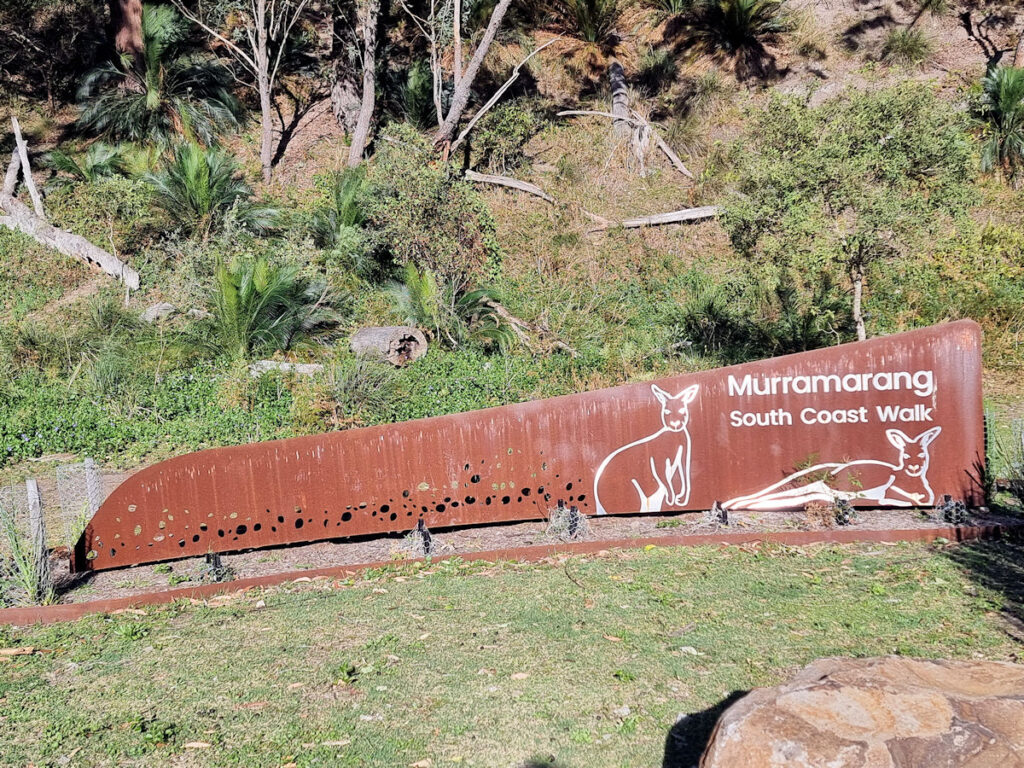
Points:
878	713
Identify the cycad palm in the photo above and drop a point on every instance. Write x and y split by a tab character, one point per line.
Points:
166	93
99	161
735	25
259	305
1003	104
199	187
344	211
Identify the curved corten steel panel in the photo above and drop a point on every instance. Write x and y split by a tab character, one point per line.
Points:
895	421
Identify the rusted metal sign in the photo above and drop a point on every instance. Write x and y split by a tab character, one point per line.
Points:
891	422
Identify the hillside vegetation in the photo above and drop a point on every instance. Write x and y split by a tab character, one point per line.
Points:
866	159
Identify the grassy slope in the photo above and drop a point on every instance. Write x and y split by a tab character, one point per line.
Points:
489	665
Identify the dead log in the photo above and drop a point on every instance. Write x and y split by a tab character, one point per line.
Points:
398	344
20	217
672	217
530	189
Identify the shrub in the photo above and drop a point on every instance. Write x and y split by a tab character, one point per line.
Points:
24	561
840	187
673	7
501	135
1003	111
168	92
110	207
424	213
259	305
657	69
361	390
907	46
198	188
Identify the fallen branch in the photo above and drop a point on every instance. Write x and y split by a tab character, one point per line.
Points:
637	122
520	326
22	219
671	217
531	189
499	93
26	169
508	181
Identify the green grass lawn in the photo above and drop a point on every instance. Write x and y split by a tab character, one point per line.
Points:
477	664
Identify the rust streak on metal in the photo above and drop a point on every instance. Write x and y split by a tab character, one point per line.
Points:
680	443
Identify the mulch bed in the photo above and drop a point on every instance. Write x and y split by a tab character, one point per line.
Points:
187	572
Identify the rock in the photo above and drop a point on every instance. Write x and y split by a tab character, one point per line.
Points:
260	367
199	314
878	713
158	312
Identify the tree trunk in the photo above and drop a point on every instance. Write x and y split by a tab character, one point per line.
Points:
361	133
263	87
126	28
620	99
857	277
457	42
460	97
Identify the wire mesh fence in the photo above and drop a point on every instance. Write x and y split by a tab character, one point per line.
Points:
79	495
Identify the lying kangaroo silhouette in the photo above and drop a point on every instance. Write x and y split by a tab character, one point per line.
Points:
658	465
903	484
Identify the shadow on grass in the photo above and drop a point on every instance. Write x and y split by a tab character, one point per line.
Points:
998	566
688	738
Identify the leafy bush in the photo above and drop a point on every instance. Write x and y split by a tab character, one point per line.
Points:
262	306
501	135
168	92
907	45
198	188
840	187
111	208
423	212
1003	110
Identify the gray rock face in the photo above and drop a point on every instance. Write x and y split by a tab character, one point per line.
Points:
878	713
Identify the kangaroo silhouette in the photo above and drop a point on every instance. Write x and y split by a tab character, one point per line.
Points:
903	484
657	466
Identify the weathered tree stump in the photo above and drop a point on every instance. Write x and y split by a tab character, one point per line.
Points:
398	344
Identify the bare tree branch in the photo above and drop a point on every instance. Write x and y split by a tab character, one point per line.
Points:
26	170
